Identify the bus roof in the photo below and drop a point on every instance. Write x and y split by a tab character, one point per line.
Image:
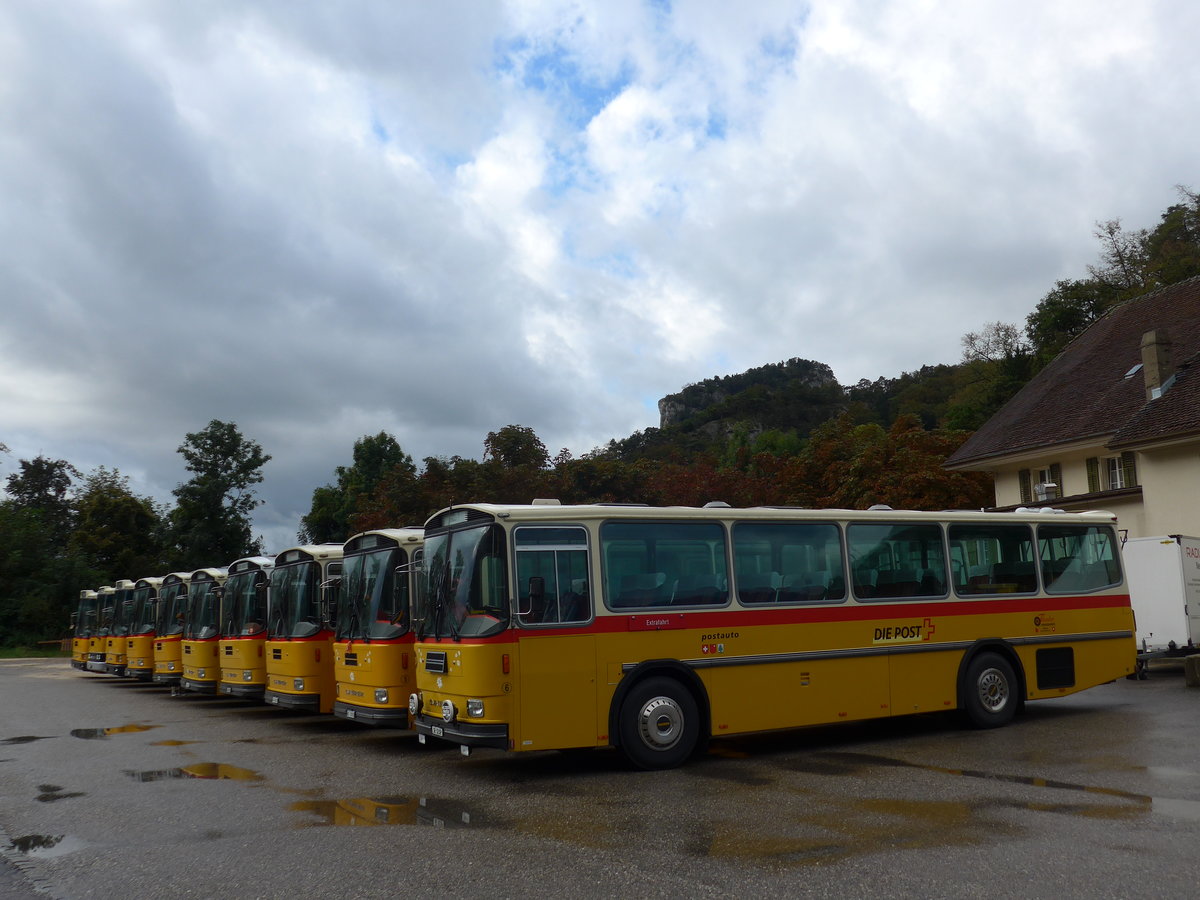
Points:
598	511
306	552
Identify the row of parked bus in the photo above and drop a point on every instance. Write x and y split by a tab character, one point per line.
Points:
649	629
263	628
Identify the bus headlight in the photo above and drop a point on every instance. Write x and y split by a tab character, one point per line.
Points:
200	673
381	695
448	711
414	704
475	709
247	675
170	667
298	684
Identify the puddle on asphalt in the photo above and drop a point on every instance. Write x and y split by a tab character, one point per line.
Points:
26	739
89	734
853	828
45	846
359	811
52	792
205	770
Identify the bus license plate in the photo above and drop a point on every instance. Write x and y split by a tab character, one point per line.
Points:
437	730
349	714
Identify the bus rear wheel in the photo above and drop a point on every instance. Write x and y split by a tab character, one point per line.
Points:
989	691
659	724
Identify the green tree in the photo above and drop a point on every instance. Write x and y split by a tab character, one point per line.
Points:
336	509
45	485
210	525
515	445
1064	313
117	533
515	466
39	577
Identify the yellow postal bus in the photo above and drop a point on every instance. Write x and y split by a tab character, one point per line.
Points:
98	639
374	642
299	658
118	628
139	653
85	620
168	628
652	630
244	628
202	631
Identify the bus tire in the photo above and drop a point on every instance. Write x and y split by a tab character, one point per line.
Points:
990	691
659	724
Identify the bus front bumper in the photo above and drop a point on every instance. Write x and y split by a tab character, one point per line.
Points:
395	717
140	674
114	669
302	702
465	734
242	691
169	679
198	687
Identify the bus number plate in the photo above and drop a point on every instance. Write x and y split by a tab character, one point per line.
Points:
437	730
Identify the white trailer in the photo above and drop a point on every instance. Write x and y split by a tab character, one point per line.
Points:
1164	590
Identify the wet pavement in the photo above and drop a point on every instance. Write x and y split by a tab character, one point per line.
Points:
111	788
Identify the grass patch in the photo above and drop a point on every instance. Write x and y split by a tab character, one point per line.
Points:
51	650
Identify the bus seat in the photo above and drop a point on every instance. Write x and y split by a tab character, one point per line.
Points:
698	589
643	589
758	587
803	588
1021	574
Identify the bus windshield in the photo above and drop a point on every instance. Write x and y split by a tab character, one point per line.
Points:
172	602
142	620
122	611
245	604
295	605
375	602
204	609
466	581
87	617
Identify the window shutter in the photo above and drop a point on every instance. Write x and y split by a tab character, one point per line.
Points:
1093	470
1129	467
1026	485
1056	477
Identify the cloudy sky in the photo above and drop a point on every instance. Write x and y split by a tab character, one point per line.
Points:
321	220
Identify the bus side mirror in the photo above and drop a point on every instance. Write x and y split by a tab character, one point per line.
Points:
536	596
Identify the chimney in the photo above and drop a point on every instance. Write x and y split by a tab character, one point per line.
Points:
1156	361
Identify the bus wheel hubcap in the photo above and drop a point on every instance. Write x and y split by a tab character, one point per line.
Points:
661	723
993	690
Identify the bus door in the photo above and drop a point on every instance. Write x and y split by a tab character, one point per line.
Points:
557	655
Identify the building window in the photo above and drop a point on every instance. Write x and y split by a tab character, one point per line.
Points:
1111	473
1115	472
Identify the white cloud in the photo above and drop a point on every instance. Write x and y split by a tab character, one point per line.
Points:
325	220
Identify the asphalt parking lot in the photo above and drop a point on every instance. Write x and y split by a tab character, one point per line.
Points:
116	789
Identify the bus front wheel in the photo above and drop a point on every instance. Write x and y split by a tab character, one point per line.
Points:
989	691
659	724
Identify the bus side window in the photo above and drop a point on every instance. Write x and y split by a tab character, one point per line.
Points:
557	556
788	562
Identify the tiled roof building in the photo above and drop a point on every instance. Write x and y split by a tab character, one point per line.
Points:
1112	422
